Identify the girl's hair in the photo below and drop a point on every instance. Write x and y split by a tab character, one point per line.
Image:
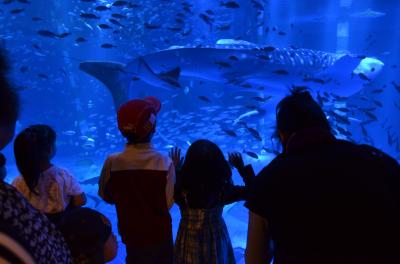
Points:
31	149
204	172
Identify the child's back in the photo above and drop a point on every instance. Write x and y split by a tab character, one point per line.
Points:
203	187
56	187
48	188
140	182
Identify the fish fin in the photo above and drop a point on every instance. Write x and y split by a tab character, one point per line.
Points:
112	75
173	74
165	80
344	66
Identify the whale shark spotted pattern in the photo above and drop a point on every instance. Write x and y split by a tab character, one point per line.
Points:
239	64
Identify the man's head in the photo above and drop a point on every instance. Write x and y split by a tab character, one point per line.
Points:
297	112
8	105
137	119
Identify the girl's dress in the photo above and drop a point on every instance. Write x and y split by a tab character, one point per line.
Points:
202	236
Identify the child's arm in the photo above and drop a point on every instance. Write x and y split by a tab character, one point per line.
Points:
78	197
169	190
246	172
103	180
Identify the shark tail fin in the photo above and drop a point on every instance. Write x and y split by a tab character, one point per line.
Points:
111	75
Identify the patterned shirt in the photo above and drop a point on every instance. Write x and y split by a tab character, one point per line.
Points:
56	186
45	243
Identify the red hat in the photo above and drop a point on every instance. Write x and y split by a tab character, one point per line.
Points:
137	117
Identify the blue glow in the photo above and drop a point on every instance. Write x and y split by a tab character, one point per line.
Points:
235	64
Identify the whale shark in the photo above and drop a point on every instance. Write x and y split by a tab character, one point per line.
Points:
241	65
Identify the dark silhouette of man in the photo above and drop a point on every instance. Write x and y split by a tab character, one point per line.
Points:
323	200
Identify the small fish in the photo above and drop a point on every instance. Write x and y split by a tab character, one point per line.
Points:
230	4
120	3
115	22
254	133
379	104
268	49
108	46
234	58
208	20
151	26
343	131
204	98
230	132
223	27
118	16
281	72
377	91
102	8
43	76
223	64
251	154
104	26
47	33
261	99
17	11
80	40
89	16
281	33
69	132
396	86
63	35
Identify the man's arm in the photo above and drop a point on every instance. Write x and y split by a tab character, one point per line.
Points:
258	240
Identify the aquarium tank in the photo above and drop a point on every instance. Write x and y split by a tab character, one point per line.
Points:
219	68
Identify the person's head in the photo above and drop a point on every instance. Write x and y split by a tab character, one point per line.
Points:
137	119
9	105
205	169
89	236
34	148
299	111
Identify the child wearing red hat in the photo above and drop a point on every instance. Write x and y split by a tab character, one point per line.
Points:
140	182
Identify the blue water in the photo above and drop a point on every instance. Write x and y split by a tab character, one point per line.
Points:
46	40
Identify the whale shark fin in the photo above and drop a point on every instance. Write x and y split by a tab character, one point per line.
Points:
167	80
174	73
344	66
172	76
112	75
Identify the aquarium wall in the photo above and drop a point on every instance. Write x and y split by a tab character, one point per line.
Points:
218	67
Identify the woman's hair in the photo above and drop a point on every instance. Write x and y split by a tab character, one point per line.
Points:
205	170
299	111
9	102
32	148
